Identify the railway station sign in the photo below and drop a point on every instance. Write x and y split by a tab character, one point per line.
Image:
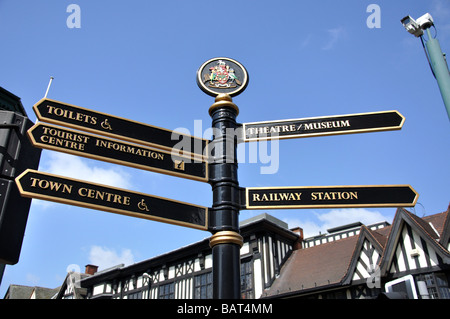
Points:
330	197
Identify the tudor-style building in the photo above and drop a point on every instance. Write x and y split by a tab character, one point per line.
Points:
410	258
186	273
361	262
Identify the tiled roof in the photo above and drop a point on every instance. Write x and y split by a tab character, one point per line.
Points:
25	292
318	266
327	265
437	220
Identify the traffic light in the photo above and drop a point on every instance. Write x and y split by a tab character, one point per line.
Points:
16	155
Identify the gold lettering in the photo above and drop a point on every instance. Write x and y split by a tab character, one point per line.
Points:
34	181
284	196
129	149
64	139
104	196
126	200
276	197
327	124
81	117
81	191
52	185
50	109
334	195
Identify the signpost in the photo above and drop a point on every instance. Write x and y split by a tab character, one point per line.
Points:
326	125
73	142
32	183
77	117
222	78
330	197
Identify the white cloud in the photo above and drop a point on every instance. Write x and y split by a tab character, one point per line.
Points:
440	11
75	167
336	217
335	35
104	257
32	279
306	41
440	8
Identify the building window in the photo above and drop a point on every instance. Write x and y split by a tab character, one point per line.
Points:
167	291
437	285
135	295
203	286
247	280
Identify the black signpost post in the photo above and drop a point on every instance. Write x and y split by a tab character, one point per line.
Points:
226	240
224	78
214	162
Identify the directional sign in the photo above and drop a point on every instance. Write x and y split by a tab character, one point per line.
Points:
328	125
330	197
56	112
40	185
73	142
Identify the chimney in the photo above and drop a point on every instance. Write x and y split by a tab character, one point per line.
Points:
298	243
90	269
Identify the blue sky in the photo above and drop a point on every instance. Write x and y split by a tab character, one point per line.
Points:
138	59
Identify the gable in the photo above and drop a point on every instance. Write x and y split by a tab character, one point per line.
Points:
413	245
366	258
413	252
367	262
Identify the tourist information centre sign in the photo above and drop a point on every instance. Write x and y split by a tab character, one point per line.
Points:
83	132
73	142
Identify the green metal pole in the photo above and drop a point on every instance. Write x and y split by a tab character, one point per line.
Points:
440	69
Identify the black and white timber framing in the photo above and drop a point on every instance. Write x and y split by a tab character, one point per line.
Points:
348	262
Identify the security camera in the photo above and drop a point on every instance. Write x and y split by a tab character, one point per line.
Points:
412	26
425	21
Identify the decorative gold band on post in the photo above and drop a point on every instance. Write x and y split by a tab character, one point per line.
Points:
223	100
226	237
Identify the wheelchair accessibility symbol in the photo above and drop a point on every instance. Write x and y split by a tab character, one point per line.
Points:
143	206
